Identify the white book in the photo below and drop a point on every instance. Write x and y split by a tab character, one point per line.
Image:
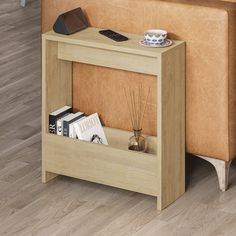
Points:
72	133
90	129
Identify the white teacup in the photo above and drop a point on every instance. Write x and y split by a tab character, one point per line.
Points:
155	36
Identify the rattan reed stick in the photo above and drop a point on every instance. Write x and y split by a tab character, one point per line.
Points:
136	107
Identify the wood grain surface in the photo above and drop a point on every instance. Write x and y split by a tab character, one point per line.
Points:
108	165
71	207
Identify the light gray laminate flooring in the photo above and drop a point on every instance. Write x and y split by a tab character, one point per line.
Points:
67	206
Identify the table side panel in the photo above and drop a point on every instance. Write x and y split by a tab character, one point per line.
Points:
56	89
171	116
57	80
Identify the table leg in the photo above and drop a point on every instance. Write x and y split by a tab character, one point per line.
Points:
23	3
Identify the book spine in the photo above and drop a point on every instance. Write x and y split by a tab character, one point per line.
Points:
77	131
66	128
59	127
52	124
72	133
66	125
53	120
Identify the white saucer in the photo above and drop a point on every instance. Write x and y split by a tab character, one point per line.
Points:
166	43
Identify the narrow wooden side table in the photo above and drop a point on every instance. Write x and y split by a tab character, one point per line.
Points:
161	172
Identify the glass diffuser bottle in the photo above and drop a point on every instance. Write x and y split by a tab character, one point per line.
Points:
137	142
137	107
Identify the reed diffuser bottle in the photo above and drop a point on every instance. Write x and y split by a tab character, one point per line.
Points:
137	142
137	107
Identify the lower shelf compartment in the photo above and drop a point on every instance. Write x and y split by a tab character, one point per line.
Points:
111	165
119	139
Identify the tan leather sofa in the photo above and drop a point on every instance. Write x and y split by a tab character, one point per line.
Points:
209	29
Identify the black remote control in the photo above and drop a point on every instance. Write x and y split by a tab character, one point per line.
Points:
113	35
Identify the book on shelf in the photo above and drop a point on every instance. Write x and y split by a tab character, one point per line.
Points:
72	133
69	120
60	124
54	116
90	129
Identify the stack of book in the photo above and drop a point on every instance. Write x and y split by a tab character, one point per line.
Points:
77	125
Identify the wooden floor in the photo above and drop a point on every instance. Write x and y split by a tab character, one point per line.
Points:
67	206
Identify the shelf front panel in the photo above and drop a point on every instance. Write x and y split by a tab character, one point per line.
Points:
108	58
101	164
